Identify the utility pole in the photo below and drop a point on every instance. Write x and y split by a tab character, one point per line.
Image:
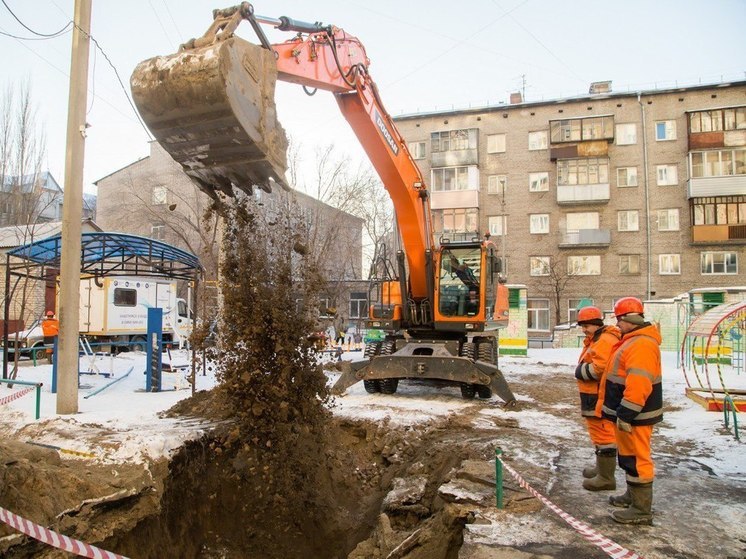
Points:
72	212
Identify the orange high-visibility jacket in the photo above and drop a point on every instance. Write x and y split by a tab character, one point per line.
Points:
592	364
50	327
631	388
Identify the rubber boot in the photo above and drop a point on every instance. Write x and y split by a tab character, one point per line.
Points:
606	465
622	501
640	512
591	471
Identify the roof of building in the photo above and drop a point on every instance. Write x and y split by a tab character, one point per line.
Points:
579	98
26	182
16	235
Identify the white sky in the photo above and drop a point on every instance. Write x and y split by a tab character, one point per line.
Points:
424	56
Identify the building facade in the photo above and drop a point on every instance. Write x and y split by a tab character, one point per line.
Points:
597	197
152	197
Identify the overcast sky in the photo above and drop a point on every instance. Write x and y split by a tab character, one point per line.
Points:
425	55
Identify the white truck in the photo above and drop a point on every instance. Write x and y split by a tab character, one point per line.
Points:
115	309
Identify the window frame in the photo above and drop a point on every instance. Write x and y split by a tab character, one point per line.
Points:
583	270
544	217
539	266
161	231
502	220
627	176
668	212
668	167
675	260
539	315
630	227
543	142
625	264
669	130
624	139
541	178
159	195
497	143
731	256
418	150
500	186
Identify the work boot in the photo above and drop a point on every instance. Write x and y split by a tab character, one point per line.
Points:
606	466
622	501
590	471
640	511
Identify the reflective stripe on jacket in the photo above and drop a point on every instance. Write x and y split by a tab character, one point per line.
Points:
632	389
593	358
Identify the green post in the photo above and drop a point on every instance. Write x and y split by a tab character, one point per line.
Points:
498	478
38	400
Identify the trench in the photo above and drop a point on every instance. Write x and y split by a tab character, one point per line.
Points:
209	509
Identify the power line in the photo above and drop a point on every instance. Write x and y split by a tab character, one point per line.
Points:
31	38
47	35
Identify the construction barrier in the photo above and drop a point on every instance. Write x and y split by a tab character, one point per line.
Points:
54	539
31	386
609	547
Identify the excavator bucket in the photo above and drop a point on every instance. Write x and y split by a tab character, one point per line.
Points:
212	109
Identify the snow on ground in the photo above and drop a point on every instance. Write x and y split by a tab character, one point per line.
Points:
131	416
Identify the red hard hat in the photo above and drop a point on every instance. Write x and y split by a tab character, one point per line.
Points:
628	305
587	314
50	313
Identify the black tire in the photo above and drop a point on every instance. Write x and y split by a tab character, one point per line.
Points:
469	349
372	386
484	391
389	385
486	351
371	349
389	347
468	391
138	344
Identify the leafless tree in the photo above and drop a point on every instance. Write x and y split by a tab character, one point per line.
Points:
554	282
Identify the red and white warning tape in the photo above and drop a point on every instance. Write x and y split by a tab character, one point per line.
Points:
16	395
611	548
54	539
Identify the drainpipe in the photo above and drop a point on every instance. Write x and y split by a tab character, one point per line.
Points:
648	248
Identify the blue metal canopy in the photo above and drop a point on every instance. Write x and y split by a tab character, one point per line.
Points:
110	254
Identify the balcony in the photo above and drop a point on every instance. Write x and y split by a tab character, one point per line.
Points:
595	148
583	194
585	238
441	200
454	158
719	234
716	186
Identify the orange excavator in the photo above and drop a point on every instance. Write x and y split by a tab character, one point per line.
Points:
211	106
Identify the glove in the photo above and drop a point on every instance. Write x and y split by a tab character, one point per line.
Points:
623	426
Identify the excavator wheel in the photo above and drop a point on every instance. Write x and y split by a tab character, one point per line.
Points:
372	386
468	391
484	391
389	385
469	349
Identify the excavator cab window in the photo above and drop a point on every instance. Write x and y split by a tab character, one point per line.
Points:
459	274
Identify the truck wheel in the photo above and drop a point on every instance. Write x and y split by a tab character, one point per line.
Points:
389	385
371	386
468	391
137	344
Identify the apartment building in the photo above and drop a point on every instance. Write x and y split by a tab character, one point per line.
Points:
596	197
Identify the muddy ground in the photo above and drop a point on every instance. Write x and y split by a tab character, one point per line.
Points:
375	489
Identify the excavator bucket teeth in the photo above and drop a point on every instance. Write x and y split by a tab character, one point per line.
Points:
212	109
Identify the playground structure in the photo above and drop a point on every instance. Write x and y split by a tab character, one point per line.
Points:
712	359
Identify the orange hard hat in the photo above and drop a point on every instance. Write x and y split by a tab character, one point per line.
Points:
50	313
627	305
590	315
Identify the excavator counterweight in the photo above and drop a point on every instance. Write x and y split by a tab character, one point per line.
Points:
212	109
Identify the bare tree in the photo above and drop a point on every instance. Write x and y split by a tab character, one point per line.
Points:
554	281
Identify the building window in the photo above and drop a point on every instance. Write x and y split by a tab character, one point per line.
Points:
629	264
628	220
718	263
496	184
453	140
538	314
537	140
717	163
667	175
539	223
539	265
418	150
577	221
584	265
669	264
158	232
572	308
626	176
160	195
718	119
582	129
626	134
538	182
358	304
582	171
455	220
496	143
498	224
445	179
725	210
668	220
665	130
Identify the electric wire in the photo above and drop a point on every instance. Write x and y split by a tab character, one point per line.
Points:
46	35
31	38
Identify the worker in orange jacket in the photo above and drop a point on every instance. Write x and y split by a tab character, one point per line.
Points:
50	327
597	345
633	398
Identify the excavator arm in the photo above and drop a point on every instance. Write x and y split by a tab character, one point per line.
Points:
222	127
